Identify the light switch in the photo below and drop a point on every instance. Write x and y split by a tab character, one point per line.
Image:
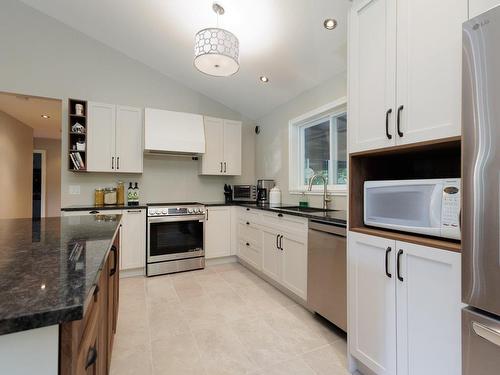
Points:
74	189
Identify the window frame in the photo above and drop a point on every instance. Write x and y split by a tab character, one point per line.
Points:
296	148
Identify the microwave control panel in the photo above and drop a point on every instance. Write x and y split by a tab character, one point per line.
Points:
450	210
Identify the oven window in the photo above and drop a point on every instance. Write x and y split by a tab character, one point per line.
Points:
175	237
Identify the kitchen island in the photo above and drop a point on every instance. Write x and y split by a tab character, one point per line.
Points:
50	270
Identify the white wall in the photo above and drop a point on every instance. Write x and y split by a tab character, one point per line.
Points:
41	56
272	142
16	167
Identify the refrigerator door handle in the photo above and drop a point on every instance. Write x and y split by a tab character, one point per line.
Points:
486	333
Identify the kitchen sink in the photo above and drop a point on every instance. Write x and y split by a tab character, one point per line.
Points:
303	209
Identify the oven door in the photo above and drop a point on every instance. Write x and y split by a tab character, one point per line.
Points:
171	238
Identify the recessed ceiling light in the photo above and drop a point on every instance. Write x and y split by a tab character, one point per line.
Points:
45	116
264	79
330	24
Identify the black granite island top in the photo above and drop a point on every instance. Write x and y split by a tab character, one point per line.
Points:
337	217
49	267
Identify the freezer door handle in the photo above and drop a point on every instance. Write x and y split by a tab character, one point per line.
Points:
486	333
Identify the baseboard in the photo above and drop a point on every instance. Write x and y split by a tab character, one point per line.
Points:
132	272
223	260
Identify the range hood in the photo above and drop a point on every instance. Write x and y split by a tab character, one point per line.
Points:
177	133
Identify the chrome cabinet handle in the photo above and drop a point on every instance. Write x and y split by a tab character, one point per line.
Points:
389	135
387	252
487	333
400	133
400	278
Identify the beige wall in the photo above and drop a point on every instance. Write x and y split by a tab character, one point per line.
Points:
46	58
52	149
16	167
272	142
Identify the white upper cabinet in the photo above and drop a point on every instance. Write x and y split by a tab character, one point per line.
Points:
129	139
372	302
476	7
115	138
222	147
372	79
101	137
429	69
404	71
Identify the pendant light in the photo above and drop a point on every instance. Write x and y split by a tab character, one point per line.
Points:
216	51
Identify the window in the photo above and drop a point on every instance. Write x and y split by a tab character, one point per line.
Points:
318	145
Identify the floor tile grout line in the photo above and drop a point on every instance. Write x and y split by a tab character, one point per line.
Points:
149	328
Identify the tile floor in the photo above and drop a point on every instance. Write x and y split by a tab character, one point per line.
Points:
223	320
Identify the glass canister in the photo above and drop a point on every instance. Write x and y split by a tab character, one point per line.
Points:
99	197
110	196
120	193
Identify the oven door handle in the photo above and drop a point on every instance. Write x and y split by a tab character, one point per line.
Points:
171	219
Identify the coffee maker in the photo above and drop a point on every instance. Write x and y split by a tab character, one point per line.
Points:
263	189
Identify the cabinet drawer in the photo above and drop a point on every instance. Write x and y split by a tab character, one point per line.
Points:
249	214
250	254
291	224
249	233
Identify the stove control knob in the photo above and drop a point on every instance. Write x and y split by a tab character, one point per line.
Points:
190	210
152	212
164	212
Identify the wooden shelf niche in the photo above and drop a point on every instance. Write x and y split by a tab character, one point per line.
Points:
434	159
77	134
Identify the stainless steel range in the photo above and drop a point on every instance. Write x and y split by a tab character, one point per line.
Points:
175	238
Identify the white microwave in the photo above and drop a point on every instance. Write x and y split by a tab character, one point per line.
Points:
430	207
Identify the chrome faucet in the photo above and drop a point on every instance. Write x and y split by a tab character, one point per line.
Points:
325	188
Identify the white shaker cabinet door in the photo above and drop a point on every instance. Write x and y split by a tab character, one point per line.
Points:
294	265
129	139
372	302
429	311
271	255
212	161
429	59
372	74
232	147
218	232
133	245
101	137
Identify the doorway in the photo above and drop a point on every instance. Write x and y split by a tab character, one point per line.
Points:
39	181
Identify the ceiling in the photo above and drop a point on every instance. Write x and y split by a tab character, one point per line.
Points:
282	39
29	110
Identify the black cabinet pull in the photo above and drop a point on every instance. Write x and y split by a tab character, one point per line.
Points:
112	162
280	215
115	260
93	212
400	133
224	167
247	244
220	167
118	162
248	223
277	241
400	278
96	291
281	242
387	252
389	135
91	357
248	209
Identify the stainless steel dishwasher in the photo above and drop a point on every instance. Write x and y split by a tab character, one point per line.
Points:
327	272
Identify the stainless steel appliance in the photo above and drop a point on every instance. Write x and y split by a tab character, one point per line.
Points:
263	189
327	272
428	206
245	193
175	238
481	194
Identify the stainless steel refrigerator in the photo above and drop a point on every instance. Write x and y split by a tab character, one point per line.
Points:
481	194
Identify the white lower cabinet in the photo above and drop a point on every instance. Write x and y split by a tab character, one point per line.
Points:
406	296
271	254
217	232
133	241
294	265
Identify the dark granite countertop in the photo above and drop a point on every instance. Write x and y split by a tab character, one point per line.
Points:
90	207
333	216
48	267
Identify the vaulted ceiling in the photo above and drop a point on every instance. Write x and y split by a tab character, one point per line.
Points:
282	39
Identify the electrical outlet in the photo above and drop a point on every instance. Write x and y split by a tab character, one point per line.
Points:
74	189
